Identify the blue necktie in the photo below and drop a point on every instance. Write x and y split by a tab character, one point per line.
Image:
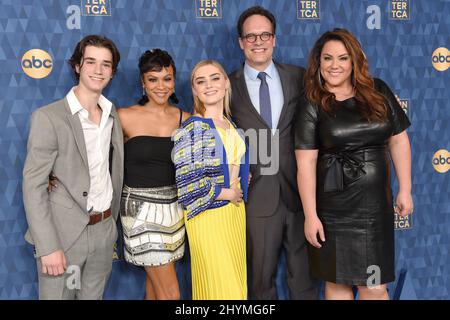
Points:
265	109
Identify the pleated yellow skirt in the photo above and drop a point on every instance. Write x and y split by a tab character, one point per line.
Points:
218	253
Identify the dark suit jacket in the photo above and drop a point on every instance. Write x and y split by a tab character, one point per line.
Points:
265	190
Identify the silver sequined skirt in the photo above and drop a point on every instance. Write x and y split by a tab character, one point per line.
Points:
153	225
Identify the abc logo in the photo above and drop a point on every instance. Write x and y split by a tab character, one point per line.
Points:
441	161
441	59
37	63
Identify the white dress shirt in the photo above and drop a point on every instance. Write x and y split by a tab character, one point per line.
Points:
97	139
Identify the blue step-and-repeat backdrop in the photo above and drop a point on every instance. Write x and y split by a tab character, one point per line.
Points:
406	42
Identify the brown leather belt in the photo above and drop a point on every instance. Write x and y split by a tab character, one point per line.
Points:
97	217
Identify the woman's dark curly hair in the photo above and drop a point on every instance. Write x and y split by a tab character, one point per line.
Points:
155	60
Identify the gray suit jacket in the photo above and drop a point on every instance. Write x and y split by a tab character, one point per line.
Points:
265	191
56	143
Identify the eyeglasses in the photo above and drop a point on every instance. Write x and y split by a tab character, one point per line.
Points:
251	37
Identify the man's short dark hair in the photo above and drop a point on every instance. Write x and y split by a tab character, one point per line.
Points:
96	41
256	10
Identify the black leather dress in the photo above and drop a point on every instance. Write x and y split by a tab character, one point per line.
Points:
354	196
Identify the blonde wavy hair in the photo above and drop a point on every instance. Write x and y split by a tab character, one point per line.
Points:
199	107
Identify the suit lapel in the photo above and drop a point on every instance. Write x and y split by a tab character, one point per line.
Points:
116	135
245	97
77	130
284	77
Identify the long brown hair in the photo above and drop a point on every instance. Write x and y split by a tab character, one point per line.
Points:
373	104
199	107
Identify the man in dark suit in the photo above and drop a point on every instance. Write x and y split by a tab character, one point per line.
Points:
265	95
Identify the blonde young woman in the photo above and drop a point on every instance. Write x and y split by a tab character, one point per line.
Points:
212	180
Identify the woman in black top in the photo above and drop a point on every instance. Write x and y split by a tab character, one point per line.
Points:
347	130
152	220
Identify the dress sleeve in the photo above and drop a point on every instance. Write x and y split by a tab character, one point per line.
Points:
305	126
400	121
194	174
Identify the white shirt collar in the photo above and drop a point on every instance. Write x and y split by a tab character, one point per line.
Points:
252	73
75	105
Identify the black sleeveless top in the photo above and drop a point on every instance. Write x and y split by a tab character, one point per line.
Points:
148	162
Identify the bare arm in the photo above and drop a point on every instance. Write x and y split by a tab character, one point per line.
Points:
121	112
234	193
306	180
400	151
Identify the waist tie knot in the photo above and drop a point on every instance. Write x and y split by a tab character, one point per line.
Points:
343	168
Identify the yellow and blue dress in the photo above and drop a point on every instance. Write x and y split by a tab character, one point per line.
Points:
204	158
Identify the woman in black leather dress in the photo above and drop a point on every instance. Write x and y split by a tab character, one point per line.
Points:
347	129
151	217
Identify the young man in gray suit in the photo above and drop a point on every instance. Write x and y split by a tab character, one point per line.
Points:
265	95
80	140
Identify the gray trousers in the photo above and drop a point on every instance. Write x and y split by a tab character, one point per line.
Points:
89	262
